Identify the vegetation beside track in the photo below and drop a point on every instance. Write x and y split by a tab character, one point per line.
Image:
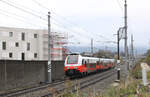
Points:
134	87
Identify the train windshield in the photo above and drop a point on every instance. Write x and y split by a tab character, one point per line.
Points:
72	59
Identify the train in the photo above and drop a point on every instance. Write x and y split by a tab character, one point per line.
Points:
76	64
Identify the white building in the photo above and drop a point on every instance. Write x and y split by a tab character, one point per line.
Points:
27	44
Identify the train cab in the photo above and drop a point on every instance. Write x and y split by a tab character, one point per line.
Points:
73	64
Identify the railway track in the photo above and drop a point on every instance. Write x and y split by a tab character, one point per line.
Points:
59	87
27	90
85	82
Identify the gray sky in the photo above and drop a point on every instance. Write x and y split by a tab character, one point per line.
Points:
83	19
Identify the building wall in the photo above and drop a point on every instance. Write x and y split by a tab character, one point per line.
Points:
35	43
38	45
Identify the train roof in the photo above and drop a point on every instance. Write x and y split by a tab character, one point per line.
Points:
90	57
101	59
76	53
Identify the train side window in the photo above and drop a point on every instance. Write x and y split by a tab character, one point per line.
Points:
82	61
97	62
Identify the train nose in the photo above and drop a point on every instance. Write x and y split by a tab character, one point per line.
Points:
71	71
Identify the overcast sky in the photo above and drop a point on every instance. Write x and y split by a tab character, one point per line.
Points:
82	19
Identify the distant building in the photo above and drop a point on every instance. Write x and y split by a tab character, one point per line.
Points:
30	44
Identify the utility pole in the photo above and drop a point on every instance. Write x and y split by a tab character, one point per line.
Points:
118	51
126	38
49	50
118	45
92	46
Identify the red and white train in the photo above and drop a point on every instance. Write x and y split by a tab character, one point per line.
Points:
75	64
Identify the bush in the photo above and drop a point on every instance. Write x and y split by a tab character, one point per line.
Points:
147	59
136	72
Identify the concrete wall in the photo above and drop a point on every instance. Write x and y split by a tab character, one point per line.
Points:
16	74
57	70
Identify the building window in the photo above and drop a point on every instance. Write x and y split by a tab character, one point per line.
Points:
35	55
10	55
10	34
17	44
4	45
35	35
23	56
23	36
28	46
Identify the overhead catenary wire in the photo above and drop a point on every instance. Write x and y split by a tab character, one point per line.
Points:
41	5
19	8
119	4
63	18
40	17
24	18
68	29
17	15
45	8
22	6
4	14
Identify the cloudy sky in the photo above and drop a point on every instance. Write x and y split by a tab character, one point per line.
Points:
82	19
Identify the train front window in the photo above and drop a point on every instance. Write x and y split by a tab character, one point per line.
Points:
72	59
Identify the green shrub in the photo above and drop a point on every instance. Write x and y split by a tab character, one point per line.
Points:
136	72
147	59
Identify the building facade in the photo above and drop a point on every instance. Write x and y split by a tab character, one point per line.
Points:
28	44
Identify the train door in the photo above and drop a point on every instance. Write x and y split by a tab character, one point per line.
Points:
97	65
88	65
84	62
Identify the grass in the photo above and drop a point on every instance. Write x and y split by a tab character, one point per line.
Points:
133	87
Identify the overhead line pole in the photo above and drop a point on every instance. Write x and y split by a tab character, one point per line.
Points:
118	46
49	50
126	44
118	51
118	61
126	38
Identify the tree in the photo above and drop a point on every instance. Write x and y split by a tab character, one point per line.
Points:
104	54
